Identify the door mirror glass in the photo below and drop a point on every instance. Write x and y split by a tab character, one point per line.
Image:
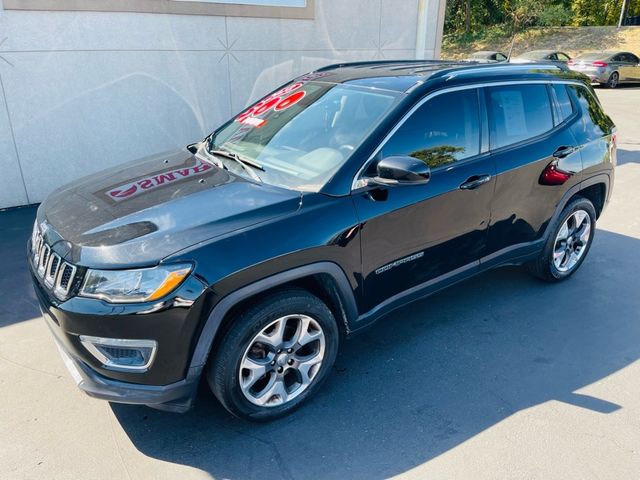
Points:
402	170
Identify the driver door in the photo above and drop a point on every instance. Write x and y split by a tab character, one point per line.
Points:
412	234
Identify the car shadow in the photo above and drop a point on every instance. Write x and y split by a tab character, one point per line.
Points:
621	86
428	377
19	301
628	156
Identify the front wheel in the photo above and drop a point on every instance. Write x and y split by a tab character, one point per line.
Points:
274	355
568	244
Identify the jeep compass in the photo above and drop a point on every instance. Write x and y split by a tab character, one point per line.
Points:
246	258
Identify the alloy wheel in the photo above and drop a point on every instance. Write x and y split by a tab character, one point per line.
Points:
282	360
613	80
571	241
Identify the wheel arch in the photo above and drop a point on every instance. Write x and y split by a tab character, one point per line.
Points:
326	280
595	187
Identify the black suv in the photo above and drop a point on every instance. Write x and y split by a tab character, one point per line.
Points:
339	197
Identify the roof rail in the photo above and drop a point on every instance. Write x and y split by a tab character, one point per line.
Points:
478	67
385	62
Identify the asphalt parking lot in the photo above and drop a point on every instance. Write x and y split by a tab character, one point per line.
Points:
499	377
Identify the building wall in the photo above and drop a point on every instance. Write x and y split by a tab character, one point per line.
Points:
83	91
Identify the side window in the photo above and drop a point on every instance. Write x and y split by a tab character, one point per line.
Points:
563	57
565	106
552	56
443	130
618	58
595	123
500	57
633	59
517	113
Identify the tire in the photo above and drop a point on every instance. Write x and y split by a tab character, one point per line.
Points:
258	396
614	80
553	268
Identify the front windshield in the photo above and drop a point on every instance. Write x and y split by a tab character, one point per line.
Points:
300	135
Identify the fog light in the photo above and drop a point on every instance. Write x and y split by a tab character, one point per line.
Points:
120	354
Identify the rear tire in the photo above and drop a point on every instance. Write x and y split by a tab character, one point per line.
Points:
275	354
614	80
568	244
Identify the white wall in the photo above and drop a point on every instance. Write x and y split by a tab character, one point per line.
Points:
82	91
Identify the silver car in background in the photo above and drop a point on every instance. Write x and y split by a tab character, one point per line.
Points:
486	56
608	68
534	56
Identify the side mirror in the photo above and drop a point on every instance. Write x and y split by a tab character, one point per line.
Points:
402	170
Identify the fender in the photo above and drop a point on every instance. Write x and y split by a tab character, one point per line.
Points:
599	178
212	324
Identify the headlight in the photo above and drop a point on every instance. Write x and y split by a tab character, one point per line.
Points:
140	285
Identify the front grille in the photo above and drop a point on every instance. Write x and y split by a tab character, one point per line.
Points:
56	274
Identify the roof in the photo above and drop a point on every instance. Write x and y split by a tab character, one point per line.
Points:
405	75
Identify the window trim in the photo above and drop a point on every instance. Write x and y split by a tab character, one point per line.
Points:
484	118
194	7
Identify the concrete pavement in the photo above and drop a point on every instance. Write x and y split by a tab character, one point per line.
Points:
498	377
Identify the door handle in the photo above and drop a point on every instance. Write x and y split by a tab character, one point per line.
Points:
475	182
564	151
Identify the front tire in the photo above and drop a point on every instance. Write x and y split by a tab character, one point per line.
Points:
568	244
274	355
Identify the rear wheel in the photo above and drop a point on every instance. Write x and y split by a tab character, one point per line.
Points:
274	355
568	244
613	80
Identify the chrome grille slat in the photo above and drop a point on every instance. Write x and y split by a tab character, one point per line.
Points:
55	273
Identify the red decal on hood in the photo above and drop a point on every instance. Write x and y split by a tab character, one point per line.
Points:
150	182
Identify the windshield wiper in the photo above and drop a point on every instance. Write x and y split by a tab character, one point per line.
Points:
245	163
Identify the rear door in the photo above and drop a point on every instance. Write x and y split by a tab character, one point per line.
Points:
414	233
527	126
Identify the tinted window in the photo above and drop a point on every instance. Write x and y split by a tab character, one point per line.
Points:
595	123
564	102
518	112
633	59
443	130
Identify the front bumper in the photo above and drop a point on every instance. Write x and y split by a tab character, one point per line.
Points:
176	397
169	384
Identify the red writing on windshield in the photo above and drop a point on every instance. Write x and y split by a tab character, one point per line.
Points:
278	101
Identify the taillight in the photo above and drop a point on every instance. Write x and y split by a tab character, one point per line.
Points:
570	62
554	176
600	64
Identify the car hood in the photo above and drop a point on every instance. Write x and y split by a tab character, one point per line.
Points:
140	212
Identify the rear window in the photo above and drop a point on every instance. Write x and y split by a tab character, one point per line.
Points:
517	113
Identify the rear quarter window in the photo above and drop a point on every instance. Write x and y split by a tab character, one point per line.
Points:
518	113
565	107
595	123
